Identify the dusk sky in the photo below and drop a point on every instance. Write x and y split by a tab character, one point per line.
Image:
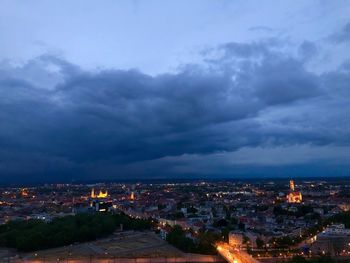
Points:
115	90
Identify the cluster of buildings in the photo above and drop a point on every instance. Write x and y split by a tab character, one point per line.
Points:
334	240
263	210
99	202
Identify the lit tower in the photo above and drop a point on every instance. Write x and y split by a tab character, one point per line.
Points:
102	194
132	194
93	193
294	196
291	185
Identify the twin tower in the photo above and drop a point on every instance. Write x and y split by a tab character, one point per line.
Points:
100	194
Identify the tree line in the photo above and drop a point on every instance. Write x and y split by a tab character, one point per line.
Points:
34	234
203	244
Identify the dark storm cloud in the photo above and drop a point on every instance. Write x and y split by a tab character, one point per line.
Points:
91	120
307	50
343	35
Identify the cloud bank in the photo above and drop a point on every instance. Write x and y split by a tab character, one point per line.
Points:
234	114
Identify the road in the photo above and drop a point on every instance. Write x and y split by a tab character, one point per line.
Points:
234	255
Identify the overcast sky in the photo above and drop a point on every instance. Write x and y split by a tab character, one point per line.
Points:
95	90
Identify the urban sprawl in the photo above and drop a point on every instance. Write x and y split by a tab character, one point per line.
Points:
265	219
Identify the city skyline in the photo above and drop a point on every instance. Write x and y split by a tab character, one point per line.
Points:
200	89
214	221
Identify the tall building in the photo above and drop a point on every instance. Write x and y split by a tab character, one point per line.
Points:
101	194
291	185
294	196
132	194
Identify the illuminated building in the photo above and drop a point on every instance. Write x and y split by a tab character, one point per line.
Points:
334	240
103	205
345	207
294	196
132	194
235	239
291	185
24	192
100	194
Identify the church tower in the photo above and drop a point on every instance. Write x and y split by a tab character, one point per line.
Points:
291	185
294	196
93	193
